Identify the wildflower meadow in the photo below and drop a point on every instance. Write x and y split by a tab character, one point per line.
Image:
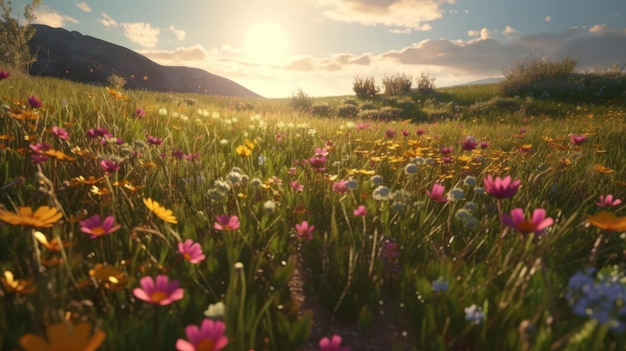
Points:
133	220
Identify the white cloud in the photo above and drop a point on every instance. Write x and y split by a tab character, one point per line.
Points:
509	30
46	15
83	6
177	57
107	21
548	18
394	13
179	33
141	33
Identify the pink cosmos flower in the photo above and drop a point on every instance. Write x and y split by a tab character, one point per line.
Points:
109	166
321	152
160	291
96	227
226	222
607	201
501	188
536	224
296	186
340	187
318	163
437	193
360	211
208	337
60	132
332	344
304	230
191	251
34	102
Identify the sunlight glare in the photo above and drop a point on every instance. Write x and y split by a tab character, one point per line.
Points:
266	42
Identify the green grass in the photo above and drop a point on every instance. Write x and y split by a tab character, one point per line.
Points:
353	265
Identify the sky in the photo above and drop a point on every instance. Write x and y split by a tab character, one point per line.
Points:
275	47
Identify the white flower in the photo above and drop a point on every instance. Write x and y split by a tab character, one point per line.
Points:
215	310
163	111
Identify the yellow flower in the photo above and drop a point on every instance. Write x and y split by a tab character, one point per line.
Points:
607	221
243	150
112	277
64	337
18	286
52	245
44	217
160	211
602	169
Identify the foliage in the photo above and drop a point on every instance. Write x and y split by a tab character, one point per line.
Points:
347	111
321	109
398	84
425	83
365	88
301	101
15	35
116	81
538	75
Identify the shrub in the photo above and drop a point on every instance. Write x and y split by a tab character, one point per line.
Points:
301	101
320	109
349	102
364	88
116	81
347	111
15	35
425	83
391	113
367	105
540	75
397	85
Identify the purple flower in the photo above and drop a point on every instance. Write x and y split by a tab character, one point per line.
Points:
484	145
578	139
96	227
3	74
40	147
419	131
501	188
226	222
178	154
446	150
469	143
109	166
390	133
34	102
154	140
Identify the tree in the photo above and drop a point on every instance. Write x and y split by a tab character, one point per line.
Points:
14	35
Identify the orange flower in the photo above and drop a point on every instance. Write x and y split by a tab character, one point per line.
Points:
18	286
52	245
602	169
43	217
608	221
64	337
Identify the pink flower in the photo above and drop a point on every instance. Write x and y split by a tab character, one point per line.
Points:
208	337
501	188
60	132
536	224
360	211
160	292
110	166
608	201
96	227
34	102
484	145
446	150
318	163
140	113
304	230
437	193
4	74
419	131
469	143
191	251
390	133
226	223
321	152
340	187
578	139
332	344
296	186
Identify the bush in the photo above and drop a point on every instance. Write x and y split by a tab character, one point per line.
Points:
349	102
115	81
425	83
538	75
364	88
320	109
347	111
15	33
301	101
397	85
367	105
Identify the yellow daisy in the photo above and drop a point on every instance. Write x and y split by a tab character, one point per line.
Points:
64	337
43	217
160	211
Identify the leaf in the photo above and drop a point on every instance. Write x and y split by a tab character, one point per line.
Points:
283	274
301	329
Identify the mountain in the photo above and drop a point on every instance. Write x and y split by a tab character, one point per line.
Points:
484	81
71	55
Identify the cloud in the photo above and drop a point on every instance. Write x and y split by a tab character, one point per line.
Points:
45	15
509	30
83	6
178	56
141	33
393	13
331	64
107	21
548	18
179	33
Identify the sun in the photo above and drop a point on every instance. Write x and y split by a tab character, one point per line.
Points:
266	43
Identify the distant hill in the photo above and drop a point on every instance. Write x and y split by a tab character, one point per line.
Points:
71	55
483	81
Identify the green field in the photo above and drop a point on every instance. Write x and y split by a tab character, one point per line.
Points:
406	240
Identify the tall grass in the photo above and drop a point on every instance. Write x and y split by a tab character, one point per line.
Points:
430	261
